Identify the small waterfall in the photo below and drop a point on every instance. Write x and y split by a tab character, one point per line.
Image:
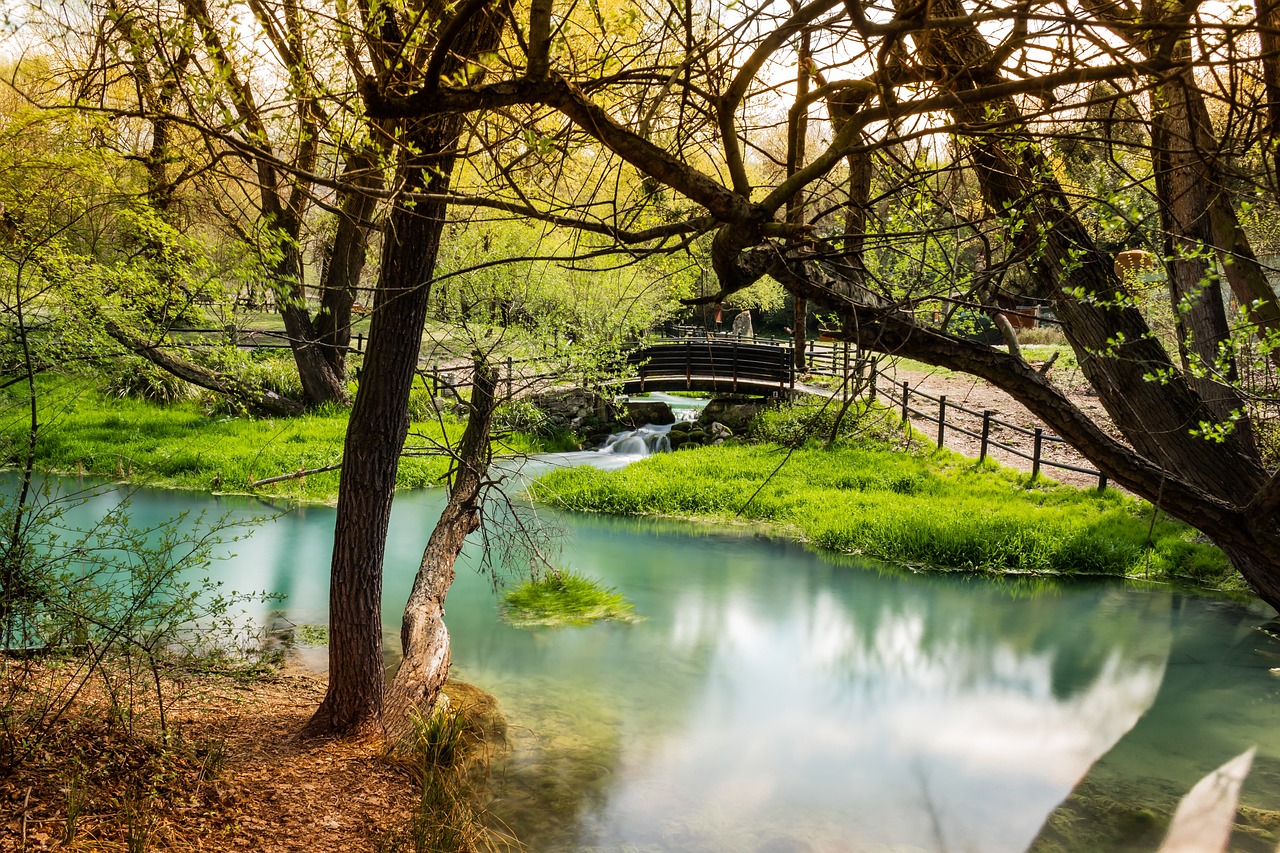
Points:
645	441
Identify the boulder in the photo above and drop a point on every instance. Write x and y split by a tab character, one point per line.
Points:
733	412
641	412
577	409
719	432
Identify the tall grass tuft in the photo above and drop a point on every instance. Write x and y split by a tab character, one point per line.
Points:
446	817
564	598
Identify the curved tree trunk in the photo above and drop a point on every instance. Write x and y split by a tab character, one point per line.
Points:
424	638
266	402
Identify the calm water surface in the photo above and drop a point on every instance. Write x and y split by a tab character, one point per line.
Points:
778	700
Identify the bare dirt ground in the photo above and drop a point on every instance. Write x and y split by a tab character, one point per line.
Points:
246	782
976	395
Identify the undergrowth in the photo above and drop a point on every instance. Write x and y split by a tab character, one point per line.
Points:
934	510
447	755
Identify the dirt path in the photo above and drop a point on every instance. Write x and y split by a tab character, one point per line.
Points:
977	395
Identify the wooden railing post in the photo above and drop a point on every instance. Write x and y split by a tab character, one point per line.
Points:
510	374
435	380
1102	482
1035	453
986	434
735	366
942	419
906	396
688	366
360	342
874	376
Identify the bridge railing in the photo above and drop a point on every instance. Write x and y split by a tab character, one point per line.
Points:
732	362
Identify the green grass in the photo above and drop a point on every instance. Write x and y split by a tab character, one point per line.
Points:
84	431
934	510
564	598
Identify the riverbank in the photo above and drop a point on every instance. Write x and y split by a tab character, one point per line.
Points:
872	493
85	431
231	776
932	510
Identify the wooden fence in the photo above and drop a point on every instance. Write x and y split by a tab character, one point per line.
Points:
836	360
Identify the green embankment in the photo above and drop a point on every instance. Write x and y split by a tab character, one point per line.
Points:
180	445
934	510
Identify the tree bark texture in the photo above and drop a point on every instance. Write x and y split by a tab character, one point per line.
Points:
376	432
361	180
424	638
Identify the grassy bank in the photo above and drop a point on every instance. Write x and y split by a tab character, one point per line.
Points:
85	431
935	510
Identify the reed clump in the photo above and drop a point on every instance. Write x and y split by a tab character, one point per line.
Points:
564	598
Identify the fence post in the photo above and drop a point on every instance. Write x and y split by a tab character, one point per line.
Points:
1035	454
874	365
986	434
360	342
844	388
906	395
435	380
510	374
1102	482
942	419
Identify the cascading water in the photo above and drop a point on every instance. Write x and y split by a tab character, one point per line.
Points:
619	449
645	441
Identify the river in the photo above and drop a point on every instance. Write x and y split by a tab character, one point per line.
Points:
775	699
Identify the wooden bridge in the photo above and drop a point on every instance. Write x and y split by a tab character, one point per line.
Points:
726	365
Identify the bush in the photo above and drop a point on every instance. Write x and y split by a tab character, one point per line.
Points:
139	379
124	605
521	416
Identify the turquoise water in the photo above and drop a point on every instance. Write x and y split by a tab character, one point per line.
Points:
774	699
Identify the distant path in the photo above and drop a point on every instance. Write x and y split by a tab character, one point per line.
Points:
977	394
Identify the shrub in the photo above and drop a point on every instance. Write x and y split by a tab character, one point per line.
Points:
139	379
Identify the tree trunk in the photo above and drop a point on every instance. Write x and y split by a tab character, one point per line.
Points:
375	436
424	638
258	401
360	180
1148	398
1178	133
